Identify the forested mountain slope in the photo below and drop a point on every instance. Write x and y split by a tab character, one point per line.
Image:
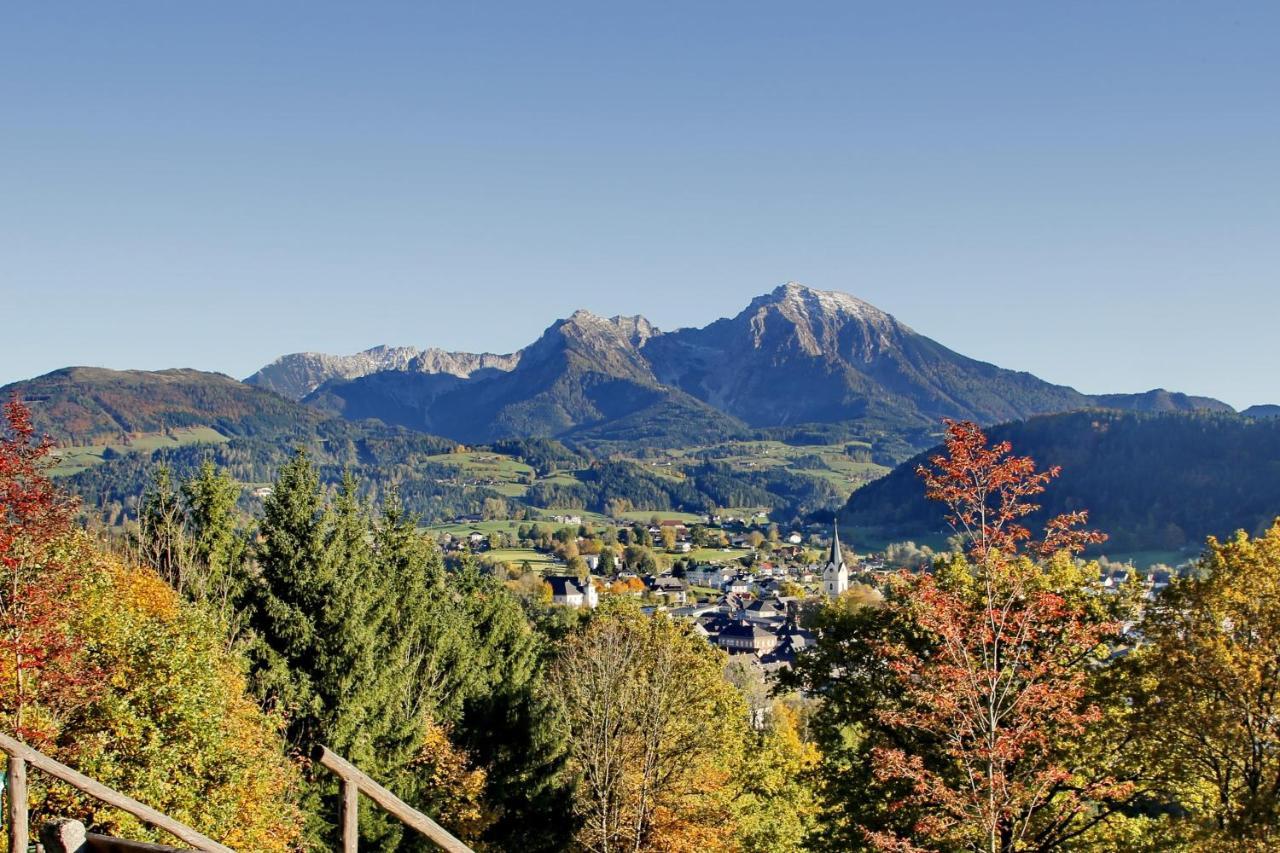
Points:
1150	481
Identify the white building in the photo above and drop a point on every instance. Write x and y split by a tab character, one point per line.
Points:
572	592
835	574
709	575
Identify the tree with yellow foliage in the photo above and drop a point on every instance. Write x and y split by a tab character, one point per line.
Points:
1207	694
777	804
108	670
656	734
168	721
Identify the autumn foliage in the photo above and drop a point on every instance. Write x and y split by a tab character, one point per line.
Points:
998	682
38	581
988	493
104	667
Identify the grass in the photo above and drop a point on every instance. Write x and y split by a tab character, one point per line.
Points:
717	555
73	460
836	467
537	561
482	526
495	466
502	526
498	472
644	515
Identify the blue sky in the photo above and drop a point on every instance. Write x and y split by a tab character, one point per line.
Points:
1088	191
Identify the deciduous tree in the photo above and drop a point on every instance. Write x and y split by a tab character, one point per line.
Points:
39	577
1002	681
1207	697
656	734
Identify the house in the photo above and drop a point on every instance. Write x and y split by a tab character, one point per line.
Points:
592	561
746	637
772	587
791	641
739	584
709	575
795	539
764	610
569	591
674	589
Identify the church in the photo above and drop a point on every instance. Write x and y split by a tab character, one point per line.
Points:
835	574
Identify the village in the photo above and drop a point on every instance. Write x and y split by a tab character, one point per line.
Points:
748	599
742	585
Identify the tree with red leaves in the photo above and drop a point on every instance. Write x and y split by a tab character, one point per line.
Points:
998	683
35	523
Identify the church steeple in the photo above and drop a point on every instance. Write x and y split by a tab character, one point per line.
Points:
837	556
835	575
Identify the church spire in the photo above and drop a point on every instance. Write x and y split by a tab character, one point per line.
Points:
835	575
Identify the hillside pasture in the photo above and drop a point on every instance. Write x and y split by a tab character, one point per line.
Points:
76	458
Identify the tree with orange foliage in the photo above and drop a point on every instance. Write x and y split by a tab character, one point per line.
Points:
35	596
998	684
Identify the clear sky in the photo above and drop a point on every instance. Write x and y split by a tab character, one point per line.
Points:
1088	190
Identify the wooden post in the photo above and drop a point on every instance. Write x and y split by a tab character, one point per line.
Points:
358	780
23	754
17	784
350	816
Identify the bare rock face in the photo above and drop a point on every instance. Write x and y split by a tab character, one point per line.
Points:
460	364
298	374
800	355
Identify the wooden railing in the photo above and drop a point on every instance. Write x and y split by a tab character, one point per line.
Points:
356	782
353	780
20	755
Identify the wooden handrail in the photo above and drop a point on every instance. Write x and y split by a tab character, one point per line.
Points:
356	781
21	754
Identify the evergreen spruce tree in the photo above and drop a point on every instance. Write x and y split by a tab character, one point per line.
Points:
293	583
367	644
294	587
509	722
218	545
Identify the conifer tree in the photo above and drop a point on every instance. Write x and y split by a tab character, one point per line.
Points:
293	583
218	546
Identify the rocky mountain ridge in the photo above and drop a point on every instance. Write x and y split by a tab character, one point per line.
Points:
298	374
794	356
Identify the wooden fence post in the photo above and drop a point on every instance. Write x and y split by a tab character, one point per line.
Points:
17	785
355	782
20	755
350	816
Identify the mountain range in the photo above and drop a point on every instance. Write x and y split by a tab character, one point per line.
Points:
818	371
794	357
